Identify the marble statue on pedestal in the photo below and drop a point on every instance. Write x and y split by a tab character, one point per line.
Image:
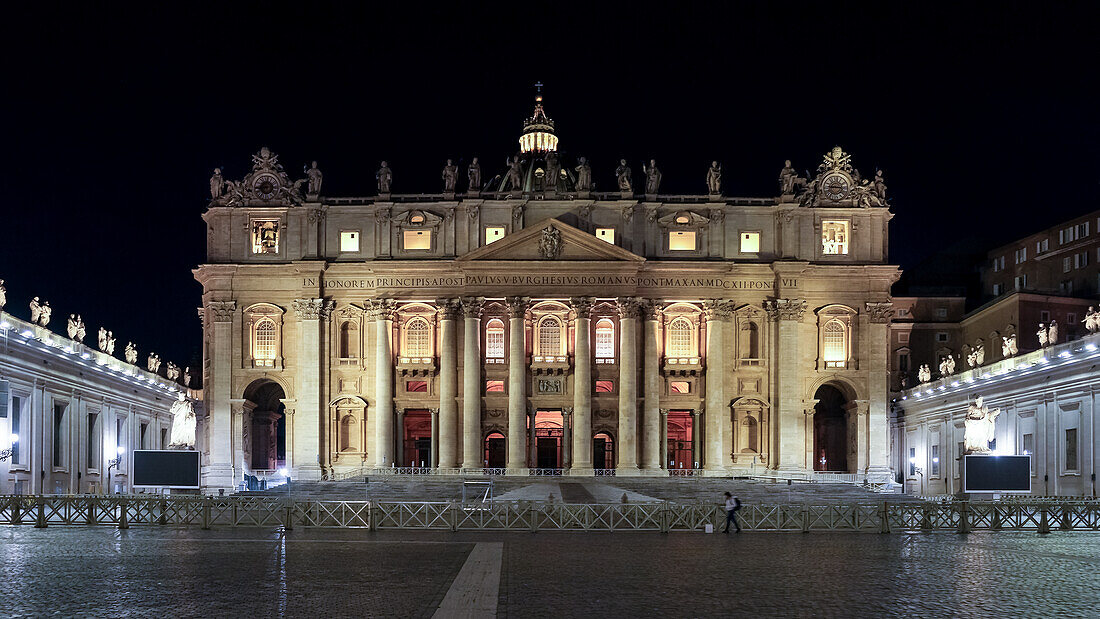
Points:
880	186
1052	333
947	365
979	353
714	179
187	376
183	424
217	184
384	176
110	342
584	175
514	178
1092	318
315	178
473	174
3	295
652	178
130	353
44	315
787	177
173	371
450	177
924	374
71	327
153	363
102	340
1042	334
622	176
553	172
980	427
972	359
36	310
1008	346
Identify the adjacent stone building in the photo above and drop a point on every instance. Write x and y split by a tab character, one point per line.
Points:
535	325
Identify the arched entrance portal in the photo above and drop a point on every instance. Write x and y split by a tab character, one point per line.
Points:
266	437
830	430
494	451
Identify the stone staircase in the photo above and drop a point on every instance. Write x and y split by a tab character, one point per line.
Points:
603	490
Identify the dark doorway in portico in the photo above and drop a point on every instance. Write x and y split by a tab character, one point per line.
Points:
417	438
267	425
495	451
548	439
681	436
603	451
830	430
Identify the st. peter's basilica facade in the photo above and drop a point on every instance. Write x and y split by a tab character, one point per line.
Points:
532	325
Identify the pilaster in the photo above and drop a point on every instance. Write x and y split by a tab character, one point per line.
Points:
312	315
218	473
789	418
717	313
517	383
582	385
381	311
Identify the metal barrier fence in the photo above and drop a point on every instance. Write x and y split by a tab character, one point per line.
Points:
258	511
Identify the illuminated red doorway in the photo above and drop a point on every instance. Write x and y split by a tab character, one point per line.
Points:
830	430
681	434
494	451
417	438
548	439
603	451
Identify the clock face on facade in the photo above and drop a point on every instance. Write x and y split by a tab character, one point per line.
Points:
265	186
836	186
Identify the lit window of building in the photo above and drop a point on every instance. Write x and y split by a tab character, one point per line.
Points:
606	234
493	233
349	241
750	242
835	339
681	240
418	240
834	238
680	335
418	338
605	339
264	343
494	339
265	237
549	337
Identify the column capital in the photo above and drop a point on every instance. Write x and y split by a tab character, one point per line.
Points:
433	411
381	309
517	306
629	307
221	311
785	309
448	309
717	309
313	309
582	305
880	311
566	411
664	411
651	309
471	306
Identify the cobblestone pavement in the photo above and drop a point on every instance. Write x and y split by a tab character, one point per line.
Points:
168	572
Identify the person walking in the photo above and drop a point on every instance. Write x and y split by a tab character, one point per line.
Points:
732	505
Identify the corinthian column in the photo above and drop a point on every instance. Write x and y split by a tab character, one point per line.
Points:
628	386
717	404
382	311
312	314
448	385
517	383
790	430
651	415
471	383
582	384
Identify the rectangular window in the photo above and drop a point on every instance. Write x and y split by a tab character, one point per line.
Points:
1071	449
681	240
834	238
605	386
163	438
1021	255
494	343
118	433
58	428
418	240
1020	282
1027	444
912	461
935	460
1081	260
903	362
493	233
349	241
141	436
997	290
679	387
941	337
494	386
1065	286
91	442
606	234
416	386
941	312
750	242
605	340
903	337
265	236
1044	316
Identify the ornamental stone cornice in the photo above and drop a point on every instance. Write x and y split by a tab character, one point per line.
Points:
517	306
718	309
471	306
785	309
880	312
582	305
222	311
381	309
629	307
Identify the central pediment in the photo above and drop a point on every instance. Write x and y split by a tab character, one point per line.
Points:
551	240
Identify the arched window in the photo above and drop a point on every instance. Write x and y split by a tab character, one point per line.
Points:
835	344
605	339
549	337
347	434
264	342
494	339
680	335
418	338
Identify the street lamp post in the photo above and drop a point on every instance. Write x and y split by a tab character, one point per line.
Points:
112	463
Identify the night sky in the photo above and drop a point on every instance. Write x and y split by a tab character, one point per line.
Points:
984	121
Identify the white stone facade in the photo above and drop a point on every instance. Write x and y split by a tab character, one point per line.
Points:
71	406
1049	401
347	333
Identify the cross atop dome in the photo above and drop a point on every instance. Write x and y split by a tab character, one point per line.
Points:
538	130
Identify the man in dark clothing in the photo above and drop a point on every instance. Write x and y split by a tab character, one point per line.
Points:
732	505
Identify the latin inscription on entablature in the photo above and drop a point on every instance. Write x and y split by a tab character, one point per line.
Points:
549	279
